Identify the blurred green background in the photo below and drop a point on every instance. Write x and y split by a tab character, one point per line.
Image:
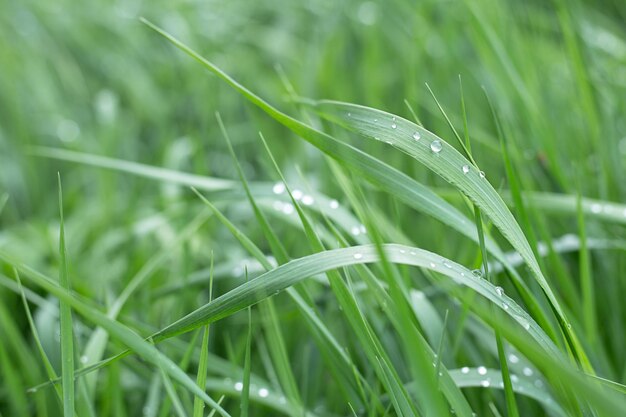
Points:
90	77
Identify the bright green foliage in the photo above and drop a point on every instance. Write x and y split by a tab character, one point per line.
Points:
377	208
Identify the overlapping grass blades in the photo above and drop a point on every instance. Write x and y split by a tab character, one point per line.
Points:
444	160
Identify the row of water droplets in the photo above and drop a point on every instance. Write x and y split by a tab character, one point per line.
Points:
483	371
308	200
436	146
261	392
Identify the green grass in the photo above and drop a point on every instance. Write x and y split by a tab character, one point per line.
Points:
305	180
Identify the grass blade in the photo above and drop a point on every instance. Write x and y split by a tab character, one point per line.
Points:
67	334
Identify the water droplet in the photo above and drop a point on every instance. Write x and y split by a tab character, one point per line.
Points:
466	169
349	114
278	205
393	125
481	370
375	120
393	118
355	230
477	273
84	359
402	251
465	370
513	358
263	392
239	386
413	253
307	200
484	383
436	146
447	264
440	373
481	174
297	194
505	306
282	400
596	208
433	265
569	325
358	256
539	383
334	204
514	378
362	229
499	291
527	371
417	136
278	188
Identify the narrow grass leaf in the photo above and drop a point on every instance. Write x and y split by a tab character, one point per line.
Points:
67	333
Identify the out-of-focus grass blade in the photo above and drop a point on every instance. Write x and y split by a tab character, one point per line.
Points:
96	344
162	174
3	201
245	392
198	404
448	163
117	330
67	334
564	203
586	281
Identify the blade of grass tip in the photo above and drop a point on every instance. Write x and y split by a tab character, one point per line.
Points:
417	119
586	280
198	404
67	334
245	393
468	145
468	154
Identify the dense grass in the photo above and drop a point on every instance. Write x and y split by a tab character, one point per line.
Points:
313	209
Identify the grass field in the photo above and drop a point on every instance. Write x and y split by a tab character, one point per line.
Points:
321	208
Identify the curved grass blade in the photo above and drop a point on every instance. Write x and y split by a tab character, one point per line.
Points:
448	163
295	271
